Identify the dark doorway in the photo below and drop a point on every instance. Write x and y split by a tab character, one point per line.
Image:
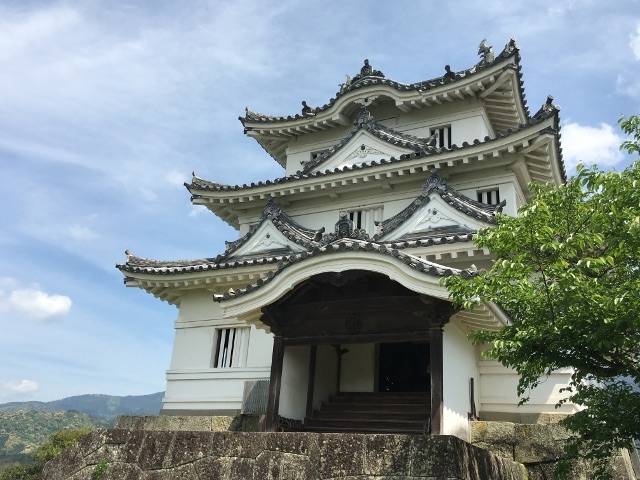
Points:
403	367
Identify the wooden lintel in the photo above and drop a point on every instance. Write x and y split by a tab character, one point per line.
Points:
366	338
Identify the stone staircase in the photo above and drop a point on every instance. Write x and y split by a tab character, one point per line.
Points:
372	412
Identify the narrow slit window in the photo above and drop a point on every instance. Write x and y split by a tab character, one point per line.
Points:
490	197
230	347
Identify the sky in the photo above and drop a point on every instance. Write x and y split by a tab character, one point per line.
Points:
106	108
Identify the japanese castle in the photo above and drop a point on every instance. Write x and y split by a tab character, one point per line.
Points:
326	313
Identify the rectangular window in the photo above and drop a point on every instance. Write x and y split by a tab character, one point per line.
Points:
443	136
490	197
365	218
230	347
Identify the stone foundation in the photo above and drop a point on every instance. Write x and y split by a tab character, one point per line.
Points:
182	455
539	447
238	423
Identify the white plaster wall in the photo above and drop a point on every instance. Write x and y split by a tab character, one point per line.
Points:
358	368
468	129
260	348
466	120
209	389
192	383
192	347
199	305
293	390
326	374
460	364
498	391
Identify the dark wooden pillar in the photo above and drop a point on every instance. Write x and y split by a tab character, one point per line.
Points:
440	317
436	361
275	380
313	350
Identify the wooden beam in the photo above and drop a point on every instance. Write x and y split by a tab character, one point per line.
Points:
311	379
366	338
275	380
437	375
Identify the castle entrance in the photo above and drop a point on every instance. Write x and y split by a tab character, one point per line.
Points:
344	339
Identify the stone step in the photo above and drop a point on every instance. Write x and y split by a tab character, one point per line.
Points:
374	408
371	426
368	414
382	397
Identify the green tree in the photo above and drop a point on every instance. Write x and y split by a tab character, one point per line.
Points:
568	273
58	442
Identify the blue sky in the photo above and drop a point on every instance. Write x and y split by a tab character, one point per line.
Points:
107	107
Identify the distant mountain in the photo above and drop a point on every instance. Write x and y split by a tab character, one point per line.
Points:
22	431
103	407
25	425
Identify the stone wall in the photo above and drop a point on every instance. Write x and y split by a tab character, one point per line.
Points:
539	447
180	455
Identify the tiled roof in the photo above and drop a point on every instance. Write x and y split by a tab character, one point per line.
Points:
462	203
361	81
546	111
286	225
315	242
153	267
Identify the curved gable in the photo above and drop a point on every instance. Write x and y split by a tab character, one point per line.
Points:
438	210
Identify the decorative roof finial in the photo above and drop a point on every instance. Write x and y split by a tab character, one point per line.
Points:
346	84
307	110
364	116
448	73
367	71
486	53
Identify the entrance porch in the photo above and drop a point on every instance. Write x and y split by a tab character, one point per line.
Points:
358	352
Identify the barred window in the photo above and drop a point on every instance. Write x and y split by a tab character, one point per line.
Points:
230	347
443	136
490	197
365	218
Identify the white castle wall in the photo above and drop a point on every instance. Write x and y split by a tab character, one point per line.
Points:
192	381
460	364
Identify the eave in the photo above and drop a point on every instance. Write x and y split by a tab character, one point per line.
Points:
499	85
538	143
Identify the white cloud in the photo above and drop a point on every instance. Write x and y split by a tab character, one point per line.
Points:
32	302
16	388
591	145
196	211
175	178
80	232
635	42
628	83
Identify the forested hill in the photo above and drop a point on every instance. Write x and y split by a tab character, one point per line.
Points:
25	425
98	406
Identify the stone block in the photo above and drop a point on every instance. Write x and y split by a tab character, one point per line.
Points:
539	443
64	465
387	455
236	444
131	449
212	468
184	472
154	451
297	443
498	437
188	447
268	466
119	471
341	454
